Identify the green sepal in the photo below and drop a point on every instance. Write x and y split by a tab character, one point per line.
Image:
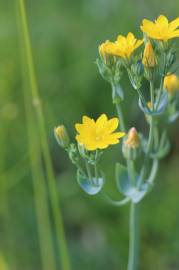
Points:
92	187
104	70
117	93
127	188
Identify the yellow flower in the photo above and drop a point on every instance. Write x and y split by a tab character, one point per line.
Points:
171	83
149	59
98	134
161	29
122	47
127	45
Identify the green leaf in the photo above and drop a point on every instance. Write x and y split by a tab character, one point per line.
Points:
91	188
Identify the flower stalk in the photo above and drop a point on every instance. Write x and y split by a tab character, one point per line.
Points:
133	237
43	139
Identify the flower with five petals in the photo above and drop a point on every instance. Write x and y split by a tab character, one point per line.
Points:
98	134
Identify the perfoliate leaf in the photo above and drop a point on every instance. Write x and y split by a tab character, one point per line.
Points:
90	187
126	187
160	107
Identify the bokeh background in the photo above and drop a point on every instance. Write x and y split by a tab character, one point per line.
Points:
65	37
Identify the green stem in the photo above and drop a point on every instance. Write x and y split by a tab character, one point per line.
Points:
88	169
120	116
43	139
150	139
134	237
142	98
161	82
96	172
131	171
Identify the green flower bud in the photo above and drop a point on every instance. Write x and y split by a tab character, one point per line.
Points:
61	136
131	146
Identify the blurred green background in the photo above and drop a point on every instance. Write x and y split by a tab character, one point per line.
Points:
65	38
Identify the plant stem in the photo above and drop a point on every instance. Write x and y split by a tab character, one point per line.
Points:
120	116
89	171
161	82
131	171
134	237
43	140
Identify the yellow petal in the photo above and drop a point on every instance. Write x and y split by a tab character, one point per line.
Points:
162	20
101	121
79	127
111	125
174	24
102	145
174	34
91	146
121	40
147	24
139	43
86	119
131	38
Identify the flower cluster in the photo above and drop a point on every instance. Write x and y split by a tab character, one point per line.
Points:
150	65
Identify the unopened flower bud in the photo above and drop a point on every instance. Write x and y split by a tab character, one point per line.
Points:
131	146
61	136
149	59
171	83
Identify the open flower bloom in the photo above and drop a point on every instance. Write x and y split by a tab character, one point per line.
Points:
171	83
161	29
127	45
98	134
122	47
108	48
149	59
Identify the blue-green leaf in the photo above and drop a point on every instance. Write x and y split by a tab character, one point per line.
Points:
160	107
126	187
91	188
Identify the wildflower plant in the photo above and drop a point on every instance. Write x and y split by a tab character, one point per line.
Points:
149	61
